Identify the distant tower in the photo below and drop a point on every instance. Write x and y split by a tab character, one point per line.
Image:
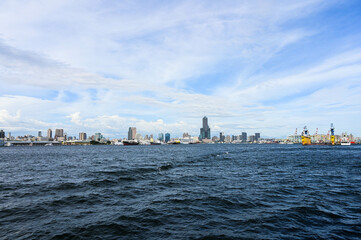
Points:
50	133
39	134
205	130
167	137
221	137
82	136
131	133
244	137
59	133
98	136
257	136
161	137
2	134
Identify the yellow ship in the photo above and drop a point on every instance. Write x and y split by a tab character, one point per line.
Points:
306	139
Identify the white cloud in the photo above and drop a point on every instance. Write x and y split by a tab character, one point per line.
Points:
106	66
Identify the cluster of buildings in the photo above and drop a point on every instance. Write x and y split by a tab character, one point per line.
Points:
61	137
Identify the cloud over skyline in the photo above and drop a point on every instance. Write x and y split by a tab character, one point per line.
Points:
254	66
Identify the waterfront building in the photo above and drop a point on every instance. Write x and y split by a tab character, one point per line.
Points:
257	137
50	133
59	133
221	137
228	139
82	136
2	134
252	138
138	137
131	133
167	137
9	135
244	137
205	131
161	137
98	136
185	135
40	134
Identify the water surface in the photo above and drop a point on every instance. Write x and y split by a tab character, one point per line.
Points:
180	192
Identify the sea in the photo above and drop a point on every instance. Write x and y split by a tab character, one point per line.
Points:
203	191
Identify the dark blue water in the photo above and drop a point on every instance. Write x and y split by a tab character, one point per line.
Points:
180	192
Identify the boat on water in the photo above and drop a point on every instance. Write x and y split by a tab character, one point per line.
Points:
48	144
155	143
345	141
130	142
306	139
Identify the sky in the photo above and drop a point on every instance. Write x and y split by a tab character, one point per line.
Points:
250	66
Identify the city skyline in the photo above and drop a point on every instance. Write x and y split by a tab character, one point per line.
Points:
101	67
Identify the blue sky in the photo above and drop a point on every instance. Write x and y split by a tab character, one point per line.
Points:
254	66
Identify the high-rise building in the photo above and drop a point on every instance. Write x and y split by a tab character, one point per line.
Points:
257	136
252	138
205	130
50	133
167	137
161	137
131	133
59	133
221	137
98	136
186	135
40	134
244	137
82	136
2	134
9	135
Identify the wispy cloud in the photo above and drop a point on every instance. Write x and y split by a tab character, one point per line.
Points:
161	66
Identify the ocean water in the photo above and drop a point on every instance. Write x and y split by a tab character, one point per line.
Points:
180	192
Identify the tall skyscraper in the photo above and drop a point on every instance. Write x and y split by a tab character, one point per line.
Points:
82	136
2	134
221	137
167	137
98	136
59	133
161	137
40	134
244	137
50	133
131	133
205	130
257	136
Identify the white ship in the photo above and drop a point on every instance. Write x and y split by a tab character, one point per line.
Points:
345	141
